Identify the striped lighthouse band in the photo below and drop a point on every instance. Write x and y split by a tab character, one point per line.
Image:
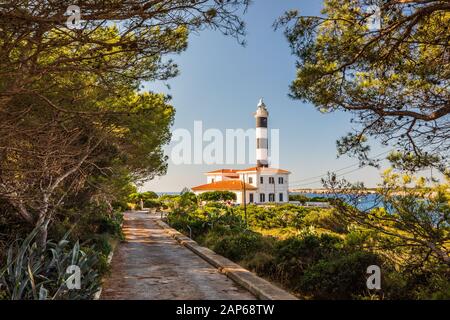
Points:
261	122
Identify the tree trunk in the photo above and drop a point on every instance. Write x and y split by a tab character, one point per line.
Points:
41	237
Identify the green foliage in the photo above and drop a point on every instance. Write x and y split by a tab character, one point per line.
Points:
298	197
236	246
217	196
185	202
326	219
87	223
153	204
383	77
144	196
31	274
296	254
328	257
283	216
87	133
121	206
339	278
303	199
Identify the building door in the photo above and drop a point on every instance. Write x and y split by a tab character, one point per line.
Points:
251	198
281	197
262	198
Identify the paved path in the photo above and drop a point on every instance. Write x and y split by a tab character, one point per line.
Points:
150	265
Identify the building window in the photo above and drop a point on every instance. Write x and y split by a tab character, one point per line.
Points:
280	180
250	180
271	180
251	198
262	197
271	197
281	197
212	180
261	180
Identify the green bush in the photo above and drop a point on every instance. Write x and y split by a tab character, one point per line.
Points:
120	206
197	225
138	196
326	219
110	224
152	204
341	277
218	196
236	246
294	255
276	216
30	274
327	259
298	197
262	262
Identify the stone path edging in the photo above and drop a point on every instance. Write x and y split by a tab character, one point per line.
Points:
261	288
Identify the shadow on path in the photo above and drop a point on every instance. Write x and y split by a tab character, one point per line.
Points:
150	265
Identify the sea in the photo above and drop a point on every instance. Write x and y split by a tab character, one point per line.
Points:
362	202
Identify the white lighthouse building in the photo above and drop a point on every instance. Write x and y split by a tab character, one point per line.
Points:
262	136
261	184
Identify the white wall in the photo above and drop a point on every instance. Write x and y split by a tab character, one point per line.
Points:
239	195
265	188
247	176
276	188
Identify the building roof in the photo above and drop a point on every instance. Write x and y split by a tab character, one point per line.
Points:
227	185
261	169
223	171
232	172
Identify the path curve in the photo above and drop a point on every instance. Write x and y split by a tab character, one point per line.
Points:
150	265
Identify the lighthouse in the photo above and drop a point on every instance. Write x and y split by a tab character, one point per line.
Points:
262	141
258	185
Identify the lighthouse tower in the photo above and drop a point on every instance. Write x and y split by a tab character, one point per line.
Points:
262	141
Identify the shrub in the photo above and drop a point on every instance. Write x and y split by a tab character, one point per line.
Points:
263	263
326	219
342	277
298	197
120	206
181	222
152	204
111	224
283	216
218	196
236	246
148	195
86	224
31	274
296	254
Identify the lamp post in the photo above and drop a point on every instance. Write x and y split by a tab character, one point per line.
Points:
245	202
274	188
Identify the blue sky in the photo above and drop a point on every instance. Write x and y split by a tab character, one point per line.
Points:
221	82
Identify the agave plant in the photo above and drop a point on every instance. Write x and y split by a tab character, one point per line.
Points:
31	274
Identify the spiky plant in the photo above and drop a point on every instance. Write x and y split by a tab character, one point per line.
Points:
30	274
